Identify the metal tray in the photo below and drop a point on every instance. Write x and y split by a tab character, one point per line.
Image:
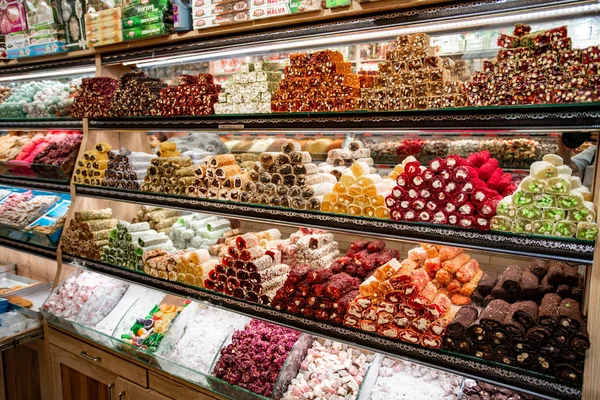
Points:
8	280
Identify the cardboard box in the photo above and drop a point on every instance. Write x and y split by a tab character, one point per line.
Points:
12	13
104	38
72	12
219	20
41	12
103	28
145	7
114	14
156	17
47	48
147	31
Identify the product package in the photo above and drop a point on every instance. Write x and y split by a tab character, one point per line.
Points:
47	48
12	16
225	19
100	5
337	3
113	14
104	39
182	16
144	7
72	14
103	28
277	8
3	54
41	12
147	19
144	32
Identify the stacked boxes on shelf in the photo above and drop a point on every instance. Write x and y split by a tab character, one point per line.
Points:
249	91
142	20
103	27
261	9
209	13
72	14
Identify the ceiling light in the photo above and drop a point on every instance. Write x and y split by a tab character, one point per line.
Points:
49	74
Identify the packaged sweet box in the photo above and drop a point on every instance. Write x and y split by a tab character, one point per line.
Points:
12	16
41	12
147	31
72	14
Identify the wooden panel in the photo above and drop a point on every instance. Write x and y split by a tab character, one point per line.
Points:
130	391
76	386
177	390
105	360
30	266
41	348
21	374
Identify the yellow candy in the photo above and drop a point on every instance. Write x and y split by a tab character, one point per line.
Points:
326	206
354	191
331	197
345	199
347	180
339	188
340	208
354	210
362	201
382	213
368	211
378	201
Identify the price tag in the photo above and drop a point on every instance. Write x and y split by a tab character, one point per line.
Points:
232	127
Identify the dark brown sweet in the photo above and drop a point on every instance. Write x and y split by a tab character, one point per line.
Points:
551	349
529	286
548	311
449	343
568	372
569	314
526	313
511	277
555	273
487	300
571	275
537	334
577	291
487	283
477	333
494	314
461	322
539	267
464	346
546	287
564	291
504	355
580	341
498	292
543	364
524	358
498	337
483	350
477	298
510	324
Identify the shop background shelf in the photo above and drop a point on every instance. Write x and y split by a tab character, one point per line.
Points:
541	385
41	123
29	248
530	246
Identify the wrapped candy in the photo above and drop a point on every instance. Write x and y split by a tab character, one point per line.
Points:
565	229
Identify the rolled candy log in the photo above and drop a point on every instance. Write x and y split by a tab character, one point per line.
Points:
510	324
569	314
564	291
569	373
524	358
463	319
537	334
546	287
561	335
477	298
511	277
577	291
526	313
571	275
498	292
580	341
494	314
543	364
464	345
477	333
483	350
498	337
550	349
555	273
487	283
504	355
449	343
529	285
548	311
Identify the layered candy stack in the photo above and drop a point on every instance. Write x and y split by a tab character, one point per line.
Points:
530	283
159	219
94	97
189	267
315	248
128	242
549	202
451	191
536	67
198	231
250	91
248	272
451	269
340	160
88	233
20	210
242	363
400	301
165	175
331	370
363	258
268	239
127	169
136	95
288	179
92	169
321	293
195	95
221	178
63	153
320	81
473	390
359	193
550	339
412	77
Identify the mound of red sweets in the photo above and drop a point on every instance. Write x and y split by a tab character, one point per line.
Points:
195	95
363	258
451	191
551	339
94	97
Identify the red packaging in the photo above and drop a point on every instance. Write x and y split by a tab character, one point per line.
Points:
470	186
412	168
467	222
438	306
454	161
487	169
436	184
437	164
440	217
466	209
464	173
488	207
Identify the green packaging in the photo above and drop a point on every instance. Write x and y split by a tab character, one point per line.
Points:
156	17
337	3
146	6
144	32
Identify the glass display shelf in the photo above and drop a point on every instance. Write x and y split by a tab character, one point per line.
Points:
42	123
563	249
466	365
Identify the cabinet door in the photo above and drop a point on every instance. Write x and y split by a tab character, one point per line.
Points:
77	378
127	390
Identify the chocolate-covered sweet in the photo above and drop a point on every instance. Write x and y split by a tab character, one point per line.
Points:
510	324
555	273
477	333
569	314
580	341
461	322
526	313
487	283
494	314
537	334
539	267
571	275
504	355
511	277
483	350
529	286
498	292
548	311
564	291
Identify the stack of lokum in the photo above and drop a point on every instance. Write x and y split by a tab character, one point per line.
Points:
327	364
249	91
340	160
11	144
549	202
412	77
542	67
363	258
63	153
315	248
102	301
451	191
551	339
181	344
88	233
403	380
91	170
127	169
359	193
451	269
287	179
136	95
473	390
72	293
400	301
148	331
249	271
321	293
128	242
268	239
190	267
21	213
160	219
530	283
198	231
320	81
220	178
195	95
94	97
242	363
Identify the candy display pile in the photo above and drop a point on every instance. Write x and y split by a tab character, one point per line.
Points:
88	233
40	99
